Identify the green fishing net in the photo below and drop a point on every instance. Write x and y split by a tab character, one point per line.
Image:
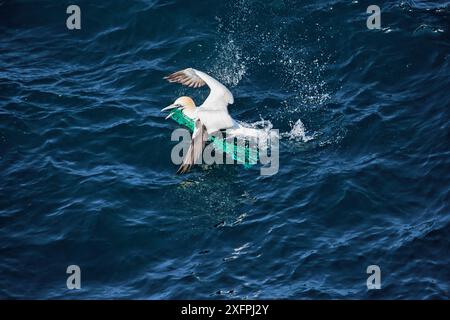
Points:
242	154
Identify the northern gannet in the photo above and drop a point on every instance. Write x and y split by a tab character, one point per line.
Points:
210	117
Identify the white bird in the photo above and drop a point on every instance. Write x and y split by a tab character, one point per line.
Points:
209	117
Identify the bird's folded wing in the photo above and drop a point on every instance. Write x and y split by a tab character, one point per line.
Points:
195	150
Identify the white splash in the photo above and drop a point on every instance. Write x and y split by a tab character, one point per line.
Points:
230	66
259	129
298	132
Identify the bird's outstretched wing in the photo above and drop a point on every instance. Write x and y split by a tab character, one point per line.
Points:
195	150
214	111
187	77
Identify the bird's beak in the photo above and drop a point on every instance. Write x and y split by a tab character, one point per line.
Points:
169	116
172	106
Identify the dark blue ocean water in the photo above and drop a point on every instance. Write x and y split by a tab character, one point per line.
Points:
86	176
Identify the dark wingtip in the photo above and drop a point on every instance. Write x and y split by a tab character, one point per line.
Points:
183	169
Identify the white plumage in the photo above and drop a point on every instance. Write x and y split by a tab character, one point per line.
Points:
213	113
